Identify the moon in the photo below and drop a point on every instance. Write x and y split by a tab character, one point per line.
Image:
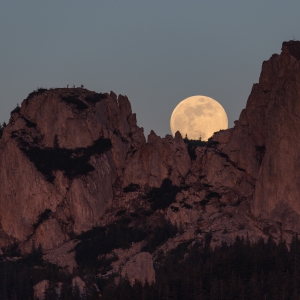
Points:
198	116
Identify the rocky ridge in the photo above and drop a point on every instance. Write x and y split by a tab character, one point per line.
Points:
72	160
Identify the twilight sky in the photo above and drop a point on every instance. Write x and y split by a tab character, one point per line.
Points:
156	52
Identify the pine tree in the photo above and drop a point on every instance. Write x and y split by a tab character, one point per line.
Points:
50	292
76	293
66	291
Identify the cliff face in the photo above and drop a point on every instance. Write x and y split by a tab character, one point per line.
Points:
257	161
277	191
61	153
66	152
264	144
72	159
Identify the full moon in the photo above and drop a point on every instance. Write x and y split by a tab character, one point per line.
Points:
198	117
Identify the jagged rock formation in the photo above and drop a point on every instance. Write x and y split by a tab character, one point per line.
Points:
277	191
265	142
72	159
158	159
65	153
39	147
256	161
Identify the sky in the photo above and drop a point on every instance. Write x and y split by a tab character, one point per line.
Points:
156	52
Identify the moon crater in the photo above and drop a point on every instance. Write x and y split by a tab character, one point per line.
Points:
198	116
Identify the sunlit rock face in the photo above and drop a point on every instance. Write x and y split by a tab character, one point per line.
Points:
277	190
158	159
66	153
53	132
256	163
265	141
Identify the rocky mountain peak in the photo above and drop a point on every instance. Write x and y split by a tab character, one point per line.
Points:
293	48
76	171
52	149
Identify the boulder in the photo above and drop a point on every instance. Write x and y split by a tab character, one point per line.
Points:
39	289
139	268
79	283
